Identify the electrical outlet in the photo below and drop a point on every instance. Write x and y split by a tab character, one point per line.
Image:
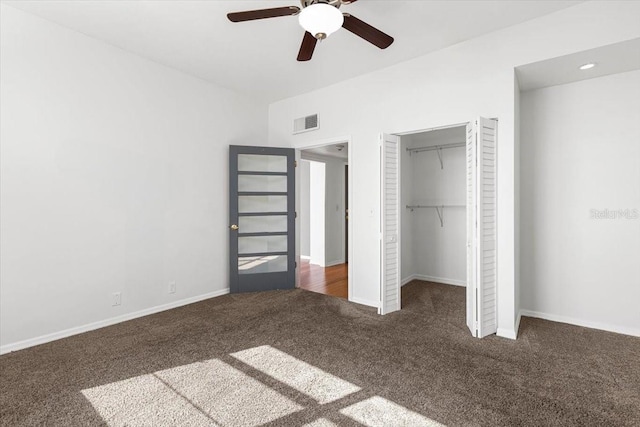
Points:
172	287
117	299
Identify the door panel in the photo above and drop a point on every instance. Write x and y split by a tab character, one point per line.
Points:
262	264
346	213
390	216
486	228
481	227
253	202
263	224
262	163
261	243
262	218
272	183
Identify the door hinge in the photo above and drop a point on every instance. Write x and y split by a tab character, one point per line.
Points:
296	214
295	264
295	163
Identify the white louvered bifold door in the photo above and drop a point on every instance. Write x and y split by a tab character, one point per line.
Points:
471	226
486	131
390	224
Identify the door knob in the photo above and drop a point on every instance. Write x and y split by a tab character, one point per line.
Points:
234	227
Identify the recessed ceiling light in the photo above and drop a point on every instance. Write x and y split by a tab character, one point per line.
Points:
587	66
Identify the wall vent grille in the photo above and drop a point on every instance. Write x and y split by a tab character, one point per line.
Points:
306	124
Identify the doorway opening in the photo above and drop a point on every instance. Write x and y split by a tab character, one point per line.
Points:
324	220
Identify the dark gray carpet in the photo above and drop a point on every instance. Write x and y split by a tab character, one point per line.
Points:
204	364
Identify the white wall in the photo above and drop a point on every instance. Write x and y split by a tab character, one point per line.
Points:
317	224
304	216
580	147
114	178
438	252
453	85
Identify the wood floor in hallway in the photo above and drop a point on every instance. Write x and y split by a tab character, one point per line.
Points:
331	281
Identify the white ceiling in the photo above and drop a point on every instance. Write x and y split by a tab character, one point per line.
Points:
337	151
259	57
449	135
610	59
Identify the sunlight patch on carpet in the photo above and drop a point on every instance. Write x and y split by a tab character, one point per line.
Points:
210	393
306	378
378	412
214	393
321	422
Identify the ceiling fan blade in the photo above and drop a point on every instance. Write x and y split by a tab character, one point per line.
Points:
366	31
250	15
307	47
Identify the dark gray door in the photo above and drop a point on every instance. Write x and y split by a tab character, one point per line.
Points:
262	218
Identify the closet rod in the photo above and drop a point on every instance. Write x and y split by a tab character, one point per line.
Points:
437	147
435	206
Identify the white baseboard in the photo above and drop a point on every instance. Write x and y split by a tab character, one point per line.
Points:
332	263
364	302
443	280
512	334
584	323
7	348
507	333
426	278
305	257
407	280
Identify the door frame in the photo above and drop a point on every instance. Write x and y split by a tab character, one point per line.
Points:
346	212
349	255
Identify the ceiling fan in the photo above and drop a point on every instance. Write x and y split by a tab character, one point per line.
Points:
319	18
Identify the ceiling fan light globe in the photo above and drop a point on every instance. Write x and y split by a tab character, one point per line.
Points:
321	20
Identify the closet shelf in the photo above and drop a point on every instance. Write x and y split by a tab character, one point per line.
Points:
439	209
438	149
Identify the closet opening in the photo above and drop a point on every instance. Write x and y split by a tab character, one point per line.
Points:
433	220
324	219
439	223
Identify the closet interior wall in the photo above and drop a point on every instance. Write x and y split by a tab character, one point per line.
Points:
432	249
